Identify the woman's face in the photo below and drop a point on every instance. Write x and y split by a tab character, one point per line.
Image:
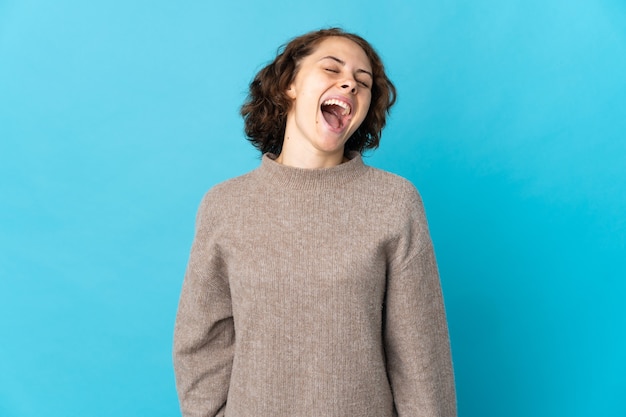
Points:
331	96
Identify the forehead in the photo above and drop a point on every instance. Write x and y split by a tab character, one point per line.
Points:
344	49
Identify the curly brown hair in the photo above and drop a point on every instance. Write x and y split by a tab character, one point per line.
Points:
265	110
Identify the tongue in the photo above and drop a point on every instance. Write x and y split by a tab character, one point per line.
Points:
332	115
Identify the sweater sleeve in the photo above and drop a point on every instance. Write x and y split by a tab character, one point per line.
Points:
416	338
204	332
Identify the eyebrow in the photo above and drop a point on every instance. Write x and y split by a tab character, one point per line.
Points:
334	58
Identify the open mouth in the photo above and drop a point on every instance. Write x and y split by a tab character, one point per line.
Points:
336	113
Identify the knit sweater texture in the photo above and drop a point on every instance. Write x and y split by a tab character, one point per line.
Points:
313	292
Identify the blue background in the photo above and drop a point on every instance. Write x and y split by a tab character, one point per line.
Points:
117	116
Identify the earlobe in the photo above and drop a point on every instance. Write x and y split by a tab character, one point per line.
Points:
291	92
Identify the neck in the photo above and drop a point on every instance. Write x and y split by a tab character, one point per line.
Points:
309	158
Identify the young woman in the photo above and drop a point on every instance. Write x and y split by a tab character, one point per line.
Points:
312	287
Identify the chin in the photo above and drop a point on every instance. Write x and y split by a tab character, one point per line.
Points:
331	146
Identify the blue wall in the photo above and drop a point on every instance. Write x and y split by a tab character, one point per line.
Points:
116	117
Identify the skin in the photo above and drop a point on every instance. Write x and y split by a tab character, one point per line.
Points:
339	69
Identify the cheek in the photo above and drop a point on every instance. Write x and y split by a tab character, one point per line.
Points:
367	103
368	100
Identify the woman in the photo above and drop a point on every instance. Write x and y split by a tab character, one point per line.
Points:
312	287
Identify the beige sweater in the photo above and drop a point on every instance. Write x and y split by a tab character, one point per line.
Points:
313	293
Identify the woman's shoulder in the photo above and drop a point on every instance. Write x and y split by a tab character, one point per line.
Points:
393	186
226	196
230	186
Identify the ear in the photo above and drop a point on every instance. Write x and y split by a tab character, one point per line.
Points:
291	92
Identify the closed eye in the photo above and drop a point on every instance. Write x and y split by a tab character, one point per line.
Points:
337	71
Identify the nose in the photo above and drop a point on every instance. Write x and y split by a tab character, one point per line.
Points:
349	84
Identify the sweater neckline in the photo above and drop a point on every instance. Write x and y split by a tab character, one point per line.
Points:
311	179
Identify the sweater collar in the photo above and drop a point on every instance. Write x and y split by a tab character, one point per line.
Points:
311	179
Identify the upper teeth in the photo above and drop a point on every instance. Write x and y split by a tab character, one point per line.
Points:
345	106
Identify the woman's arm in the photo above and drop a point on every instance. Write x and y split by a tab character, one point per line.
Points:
416	333
204	333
